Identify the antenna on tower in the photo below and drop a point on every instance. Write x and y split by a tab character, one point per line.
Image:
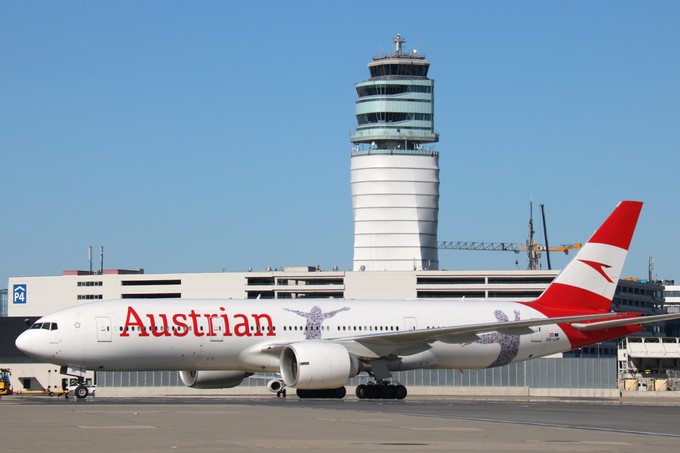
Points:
398	41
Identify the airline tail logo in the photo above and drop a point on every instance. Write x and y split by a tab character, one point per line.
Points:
577	287
599	267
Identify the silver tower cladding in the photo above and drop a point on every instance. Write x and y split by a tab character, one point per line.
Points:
394	175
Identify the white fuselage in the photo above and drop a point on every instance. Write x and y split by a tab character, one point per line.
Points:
234	335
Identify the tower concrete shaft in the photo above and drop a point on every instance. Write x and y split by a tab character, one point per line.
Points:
394	167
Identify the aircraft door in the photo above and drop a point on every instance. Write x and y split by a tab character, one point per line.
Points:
410	323
217	334
103	328
537	336
538	340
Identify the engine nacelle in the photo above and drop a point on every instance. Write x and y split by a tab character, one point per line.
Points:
314	365
275	385
218	379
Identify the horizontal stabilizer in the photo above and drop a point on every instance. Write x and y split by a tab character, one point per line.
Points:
625	322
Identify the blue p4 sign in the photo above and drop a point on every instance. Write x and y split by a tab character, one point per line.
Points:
20	294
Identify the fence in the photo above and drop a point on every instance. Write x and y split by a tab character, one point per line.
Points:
571	373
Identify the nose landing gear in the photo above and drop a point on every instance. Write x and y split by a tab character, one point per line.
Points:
81	392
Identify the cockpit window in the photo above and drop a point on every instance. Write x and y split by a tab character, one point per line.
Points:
45	325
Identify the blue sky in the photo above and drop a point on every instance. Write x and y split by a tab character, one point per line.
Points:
214	135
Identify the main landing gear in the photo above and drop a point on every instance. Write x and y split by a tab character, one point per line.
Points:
338	393
381	390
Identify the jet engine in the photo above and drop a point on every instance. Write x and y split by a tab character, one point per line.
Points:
212	379
317	365
275	385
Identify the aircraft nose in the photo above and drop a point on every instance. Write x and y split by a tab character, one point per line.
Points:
23	343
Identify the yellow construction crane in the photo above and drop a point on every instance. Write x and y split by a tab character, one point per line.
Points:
531	247
534	252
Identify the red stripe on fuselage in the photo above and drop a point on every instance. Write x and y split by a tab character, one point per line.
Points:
559	298
565	300
579	339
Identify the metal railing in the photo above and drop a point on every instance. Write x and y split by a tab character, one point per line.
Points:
394	152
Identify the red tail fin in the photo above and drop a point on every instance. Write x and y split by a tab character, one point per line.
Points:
589	280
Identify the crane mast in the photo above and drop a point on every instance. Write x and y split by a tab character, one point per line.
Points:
533	249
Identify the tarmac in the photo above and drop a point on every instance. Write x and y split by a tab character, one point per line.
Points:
210	424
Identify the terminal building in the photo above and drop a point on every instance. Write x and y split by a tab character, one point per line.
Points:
31	297
37	296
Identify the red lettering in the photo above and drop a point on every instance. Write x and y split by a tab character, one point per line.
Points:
225	318
194	320
129	323
242	329
269	326
240	325
211	328
163	330
182	327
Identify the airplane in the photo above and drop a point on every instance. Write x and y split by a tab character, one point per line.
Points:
316	345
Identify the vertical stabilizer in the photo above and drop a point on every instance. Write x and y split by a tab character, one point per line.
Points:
589	280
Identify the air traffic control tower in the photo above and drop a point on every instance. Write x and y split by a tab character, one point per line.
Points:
394	168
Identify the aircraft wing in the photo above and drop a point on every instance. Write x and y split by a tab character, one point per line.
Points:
382	344
625	322
461	334
377	345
